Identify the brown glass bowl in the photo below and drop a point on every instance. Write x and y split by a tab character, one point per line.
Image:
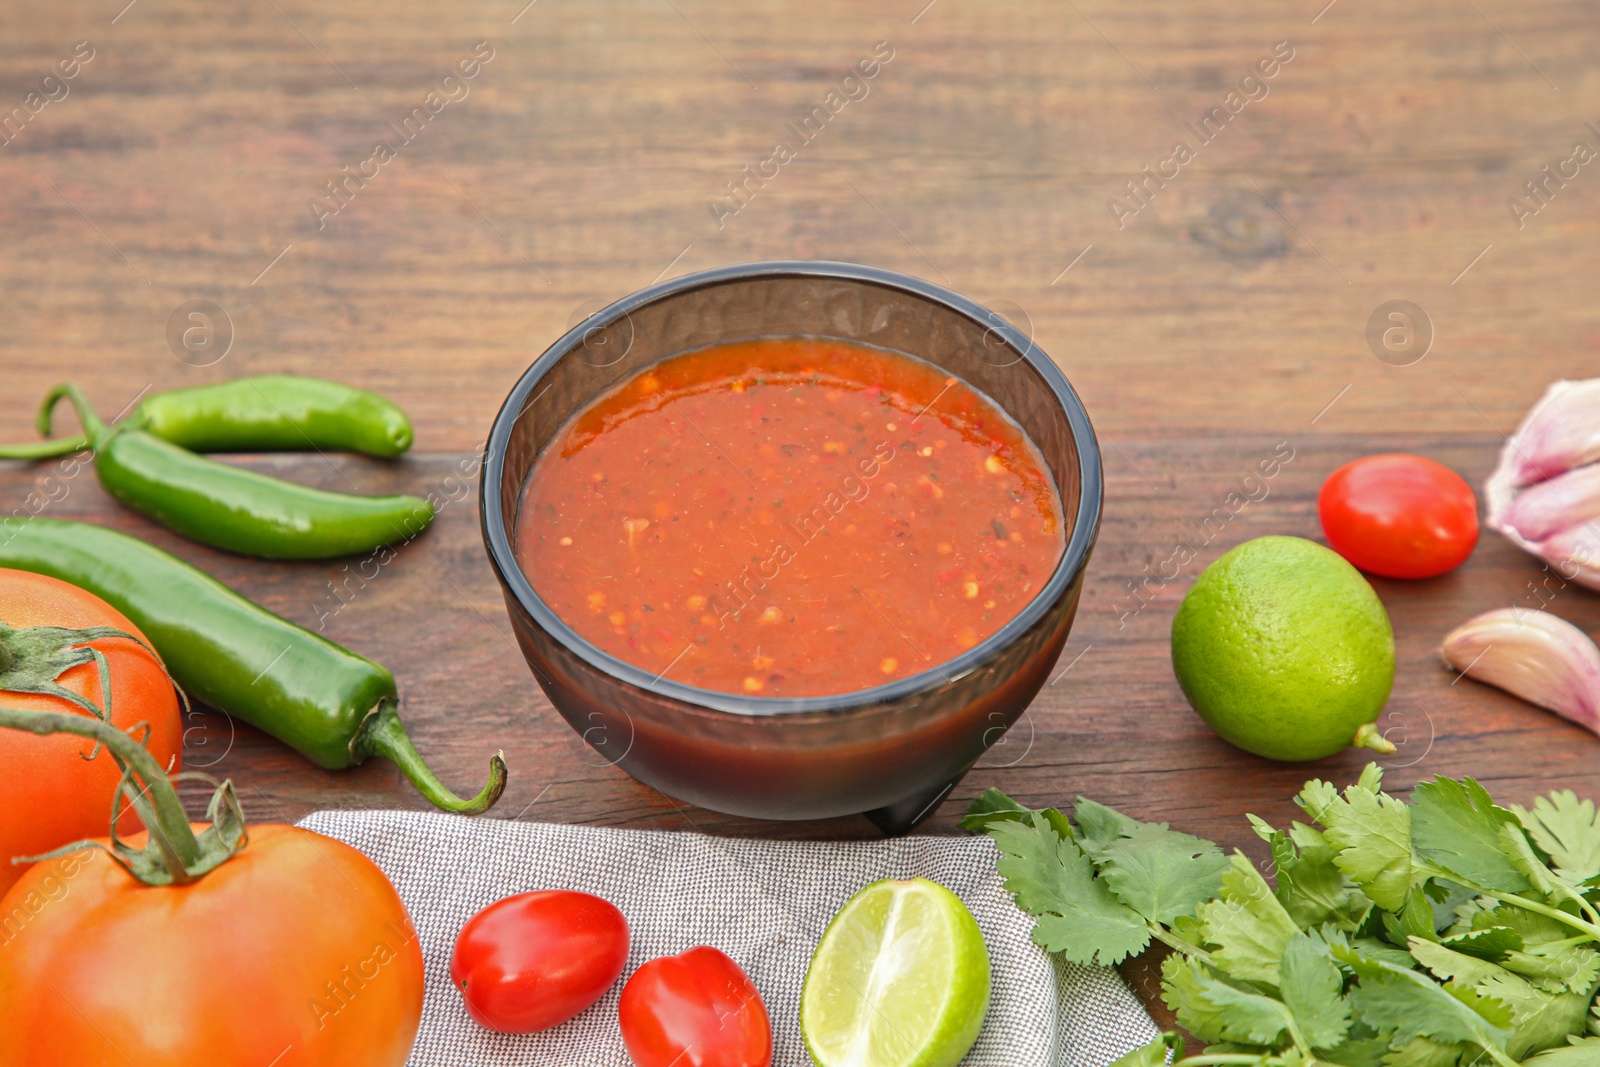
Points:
892	751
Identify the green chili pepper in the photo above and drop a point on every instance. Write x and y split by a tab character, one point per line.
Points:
264	413
236	509
334	707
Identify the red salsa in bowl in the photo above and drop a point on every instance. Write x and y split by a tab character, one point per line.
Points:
789	517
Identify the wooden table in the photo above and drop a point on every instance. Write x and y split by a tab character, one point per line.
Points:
1224	311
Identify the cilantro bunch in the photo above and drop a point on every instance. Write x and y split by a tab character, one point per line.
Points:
1447	932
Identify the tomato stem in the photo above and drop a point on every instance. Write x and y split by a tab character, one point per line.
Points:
32	659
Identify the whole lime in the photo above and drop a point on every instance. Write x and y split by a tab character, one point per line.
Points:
1285	650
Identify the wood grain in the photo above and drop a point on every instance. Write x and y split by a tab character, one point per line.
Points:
1228	315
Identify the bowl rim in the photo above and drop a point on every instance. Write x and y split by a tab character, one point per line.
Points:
1074	557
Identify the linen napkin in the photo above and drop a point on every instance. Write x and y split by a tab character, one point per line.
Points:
764	903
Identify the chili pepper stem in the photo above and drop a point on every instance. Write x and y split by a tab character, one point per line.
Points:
93	429
36	450
175	855
383	734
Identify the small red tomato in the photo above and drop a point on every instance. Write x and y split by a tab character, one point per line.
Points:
695	1009
535	960
1399	516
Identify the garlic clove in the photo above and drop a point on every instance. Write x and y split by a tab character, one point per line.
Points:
1567	500
1573	554
1560	432
1533	655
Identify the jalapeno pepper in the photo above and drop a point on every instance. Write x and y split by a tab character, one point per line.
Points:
327	703
232	508
263	413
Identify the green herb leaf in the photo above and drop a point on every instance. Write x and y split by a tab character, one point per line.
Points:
1492	943
992	805
1248	925
1099	825
1556	1019
1420	1052
1405	1004
1568	831
1582	1052
1366	1052
1074	913
1414	920
1310	886
1161	873
1456	825
1558	966
1154	1054
1372	833
1213	1010
1311	985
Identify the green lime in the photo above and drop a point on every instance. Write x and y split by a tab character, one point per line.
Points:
900	979
1285	650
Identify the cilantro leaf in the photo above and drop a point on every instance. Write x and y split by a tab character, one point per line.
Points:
1550	1024
1450	965
1310	887
1248	925
1213	1010
1456	825
1414	920
1154	1054
1492	943
1582	1052
990	806
1364	1052
1558	966
1420	1052
1161	873
1074	913
1311	985
1405	1004
1372	833
1099	825
1568	831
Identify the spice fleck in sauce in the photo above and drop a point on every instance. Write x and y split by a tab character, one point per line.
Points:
789	517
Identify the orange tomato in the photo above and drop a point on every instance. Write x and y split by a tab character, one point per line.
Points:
297	952
49	795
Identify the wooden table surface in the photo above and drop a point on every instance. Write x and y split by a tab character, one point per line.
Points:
1221	315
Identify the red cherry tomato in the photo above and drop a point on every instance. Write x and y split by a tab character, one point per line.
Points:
535	960
1399	516
695	1009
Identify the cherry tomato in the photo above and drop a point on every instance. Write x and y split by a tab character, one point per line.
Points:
1399	516
298	942
535	960
50	795
695	1009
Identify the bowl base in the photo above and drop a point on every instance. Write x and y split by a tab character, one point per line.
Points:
901	817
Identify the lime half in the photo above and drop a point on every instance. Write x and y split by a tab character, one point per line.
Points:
900	979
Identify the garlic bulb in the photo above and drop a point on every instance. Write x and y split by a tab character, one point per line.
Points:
1544	495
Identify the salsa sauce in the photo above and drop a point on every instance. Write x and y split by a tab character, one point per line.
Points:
789	517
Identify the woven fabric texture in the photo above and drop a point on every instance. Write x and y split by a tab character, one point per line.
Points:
764	903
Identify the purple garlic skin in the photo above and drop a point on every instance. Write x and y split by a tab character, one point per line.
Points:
1544	494
1560	432
1534	655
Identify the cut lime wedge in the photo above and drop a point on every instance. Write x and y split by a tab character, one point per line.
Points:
900	979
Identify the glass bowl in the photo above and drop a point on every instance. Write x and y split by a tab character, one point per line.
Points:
894	751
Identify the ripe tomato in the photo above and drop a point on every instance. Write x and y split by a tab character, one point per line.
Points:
535	960
296	951
49	795
695	1009
1399	516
